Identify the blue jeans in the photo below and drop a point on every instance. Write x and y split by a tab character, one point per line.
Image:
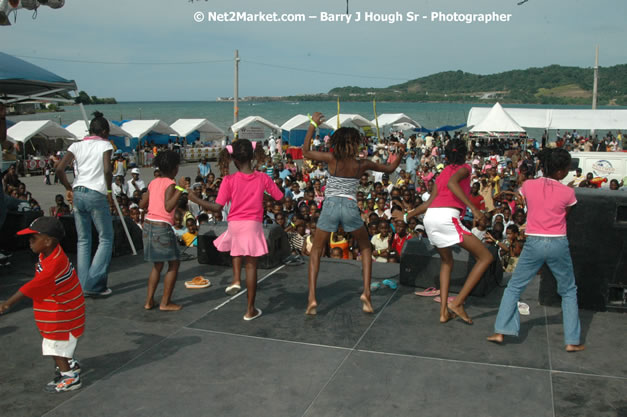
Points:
90	205
538	250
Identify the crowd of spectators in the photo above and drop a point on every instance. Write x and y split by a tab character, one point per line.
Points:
497	174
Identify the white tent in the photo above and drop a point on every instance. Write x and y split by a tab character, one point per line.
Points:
25	130
301	122
80	130
349	120
391	119
582	119
207	130
497	120
252	127
140	128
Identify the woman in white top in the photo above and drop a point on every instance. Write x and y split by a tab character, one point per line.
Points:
91	195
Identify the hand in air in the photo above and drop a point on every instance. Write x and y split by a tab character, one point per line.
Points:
317	118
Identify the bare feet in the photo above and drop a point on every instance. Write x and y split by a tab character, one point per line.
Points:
459	310
448	315
366	306
149	304
170	307
495	338
311	308
575	348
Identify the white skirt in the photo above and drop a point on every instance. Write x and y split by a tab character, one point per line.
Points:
444	227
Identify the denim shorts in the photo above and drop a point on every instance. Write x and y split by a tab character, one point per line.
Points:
339	211
160	243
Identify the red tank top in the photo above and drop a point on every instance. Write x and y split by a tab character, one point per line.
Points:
445	197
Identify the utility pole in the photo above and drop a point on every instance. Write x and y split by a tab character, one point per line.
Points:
236	92
595	84
596	80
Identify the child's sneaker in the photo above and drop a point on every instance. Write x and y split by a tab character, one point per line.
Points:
64	383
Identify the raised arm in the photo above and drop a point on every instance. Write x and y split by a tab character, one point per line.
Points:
317	118
387	168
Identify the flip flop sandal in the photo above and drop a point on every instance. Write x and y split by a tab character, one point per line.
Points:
197	282
390	284
523	309
233	289
449	300
259	313
429	292
375	286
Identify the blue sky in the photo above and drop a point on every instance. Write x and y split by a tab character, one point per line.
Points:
540	33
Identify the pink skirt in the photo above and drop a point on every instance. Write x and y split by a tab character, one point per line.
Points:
243	238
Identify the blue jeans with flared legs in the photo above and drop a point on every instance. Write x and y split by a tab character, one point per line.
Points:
92	206
538	250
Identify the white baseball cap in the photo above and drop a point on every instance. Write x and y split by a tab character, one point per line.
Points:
135	171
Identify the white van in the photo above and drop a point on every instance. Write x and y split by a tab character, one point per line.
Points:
610	165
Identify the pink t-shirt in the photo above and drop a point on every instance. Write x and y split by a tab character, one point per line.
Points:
156	204
245	192
547	200
445	197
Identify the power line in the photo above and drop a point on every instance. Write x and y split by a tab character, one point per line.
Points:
79	61
324	72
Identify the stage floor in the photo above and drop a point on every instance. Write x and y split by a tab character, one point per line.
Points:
206	361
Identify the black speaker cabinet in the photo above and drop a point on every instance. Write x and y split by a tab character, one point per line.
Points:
207	252
121	246
420	267
276	239
14	222
597	236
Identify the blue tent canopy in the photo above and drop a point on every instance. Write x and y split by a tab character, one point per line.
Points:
297	137
21	80
445	128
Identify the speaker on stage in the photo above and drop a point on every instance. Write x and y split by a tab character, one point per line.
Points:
207	252
597	236
14	222
121	246
420	267
276	239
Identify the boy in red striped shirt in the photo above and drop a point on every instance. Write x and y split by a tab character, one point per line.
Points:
58	301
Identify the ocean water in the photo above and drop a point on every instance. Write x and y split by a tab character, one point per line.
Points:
429	115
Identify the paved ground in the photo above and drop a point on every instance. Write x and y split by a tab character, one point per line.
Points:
206	361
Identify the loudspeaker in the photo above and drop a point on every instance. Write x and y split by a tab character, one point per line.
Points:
14	222
121	246
276	239
597	236
420	267
207	252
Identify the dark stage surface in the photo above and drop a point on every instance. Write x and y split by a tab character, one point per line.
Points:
206	361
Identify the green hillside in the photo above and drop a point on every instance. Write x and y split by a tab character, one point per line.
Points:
549	85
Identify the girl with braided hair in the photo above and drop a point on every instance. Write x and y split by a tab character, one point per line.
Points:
443	223
548	203
340	202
